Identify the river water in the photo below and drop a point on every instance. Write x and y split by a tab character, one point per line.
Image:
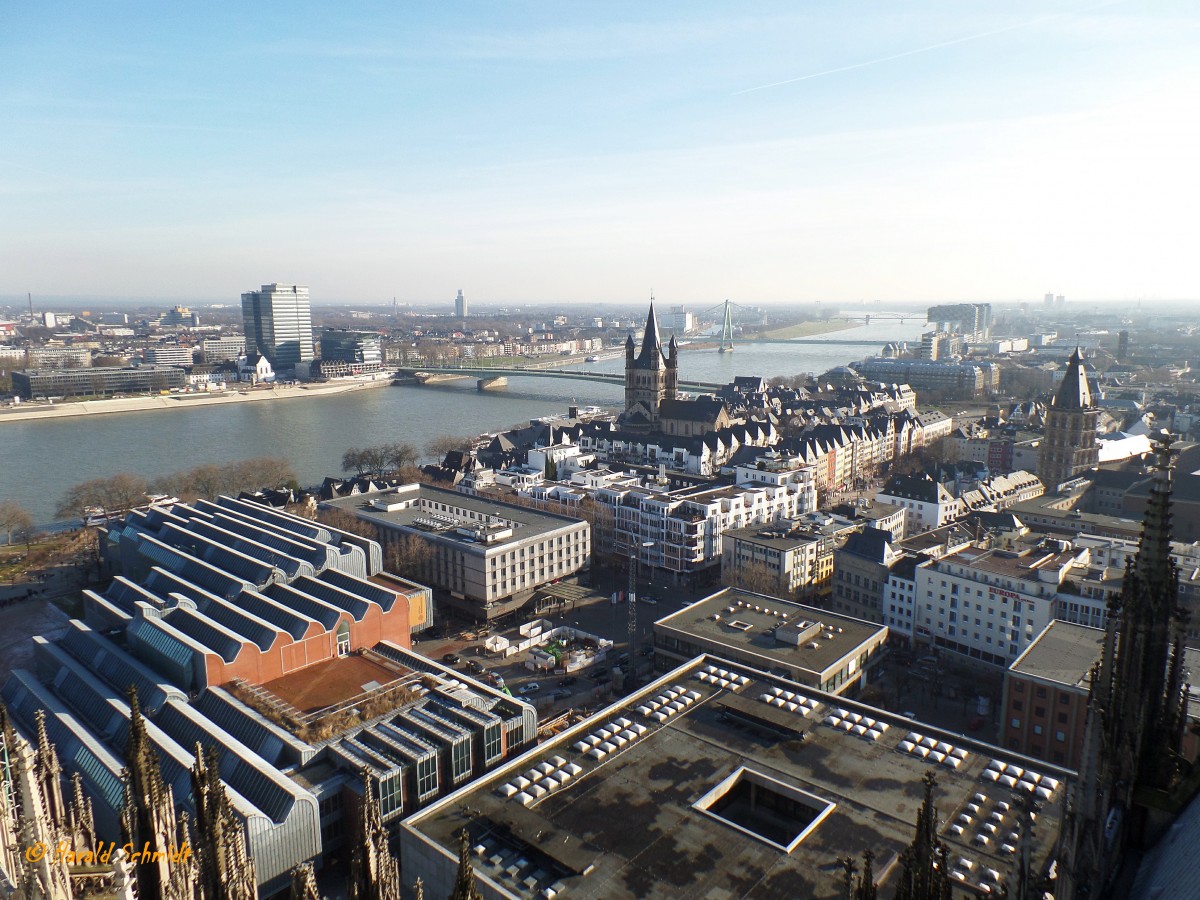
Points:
39	460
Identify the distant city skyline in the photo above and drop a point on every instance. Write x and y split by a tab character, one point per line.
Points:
588	154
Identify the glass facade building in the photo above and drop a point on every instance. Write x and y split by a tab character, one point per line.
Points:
277	320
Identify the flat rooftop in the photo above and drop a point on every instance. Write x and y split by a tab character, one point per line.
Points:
526	523
668	809
763	615
1023	564
1063	652
331	682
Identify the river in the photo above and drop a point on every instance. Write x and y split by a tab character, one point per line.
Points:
39	459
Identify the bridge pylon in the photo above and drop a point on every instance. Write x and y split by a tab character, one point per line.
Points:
727	329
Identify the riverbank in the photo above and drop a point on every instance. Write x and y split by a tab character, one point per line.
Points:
70	409
804	329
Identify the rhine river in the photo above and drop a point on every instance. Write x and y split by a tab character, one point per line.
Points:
39	459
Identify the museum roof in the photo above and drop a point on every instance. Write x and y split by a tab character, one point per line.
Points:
579	820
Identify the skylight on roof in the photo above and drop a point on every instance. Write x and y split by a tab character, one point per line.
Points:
765	808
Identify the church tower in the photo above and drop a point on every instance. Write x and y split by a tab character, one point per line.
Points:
1137	707
1069	445
650	377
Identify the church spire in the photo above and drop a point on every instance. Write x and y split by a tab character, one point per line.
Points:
1074	392
651	353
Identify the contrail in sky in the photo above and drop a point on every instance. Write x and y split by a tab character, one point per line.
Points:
950	43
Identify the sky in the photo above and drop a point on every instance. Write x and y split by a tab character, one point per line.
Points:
594	152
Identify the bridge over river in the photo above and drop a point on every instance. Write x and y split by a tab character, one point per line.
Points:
491	373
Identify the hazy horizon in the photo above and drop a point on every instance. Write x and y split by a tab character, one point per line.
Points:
598	151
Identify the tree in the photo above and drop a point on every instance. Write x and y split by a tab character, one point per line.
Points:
353	461
347	521
111	494
14	519
754	577
407	556
439	447
400	456
464	881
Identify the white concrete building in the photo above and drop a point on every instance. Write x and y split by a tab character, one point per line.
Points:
988	604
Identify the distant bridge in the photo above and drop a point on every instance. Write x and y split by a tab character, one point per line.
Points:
486	372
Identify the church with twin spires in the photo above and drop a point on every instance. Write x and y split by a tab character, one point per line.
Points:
652	401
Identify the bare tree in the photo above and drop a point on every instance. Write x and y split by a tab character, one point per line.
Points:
408	555
347	521
353	461
111	494
14	519
439	447
400	456
754	577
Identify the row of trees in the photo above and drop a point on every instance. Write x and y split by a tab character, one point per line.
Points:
113	493
398	459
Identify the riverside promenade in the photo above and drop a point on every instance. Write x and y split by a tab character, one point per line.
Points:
27	411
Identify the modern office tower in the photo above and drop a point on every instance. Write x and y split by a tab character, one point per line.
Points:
1049	300
1122	345
277	320
461	310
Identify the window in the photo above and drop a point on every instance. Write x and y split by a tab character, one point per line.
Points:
1037	729
1039	711
1062	718
1041	692
1018	706
1060	736
1016	723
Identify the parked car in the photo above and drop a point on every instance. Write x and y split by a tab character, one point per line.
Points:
559	694
532	688
474	667
568	681
451	659
648	599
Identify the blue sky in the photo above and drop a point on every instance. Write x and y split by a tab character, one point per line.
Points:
582	152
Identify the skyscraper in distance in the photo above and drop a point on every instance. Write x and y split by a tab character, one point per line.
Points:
277	320
461	310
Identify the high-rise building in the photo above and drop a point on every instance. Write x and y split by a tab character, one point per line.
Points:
972	321
277	320
461	310
1069	446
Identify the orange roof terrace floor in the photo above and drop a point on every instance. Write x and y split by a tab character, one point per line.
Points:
331	682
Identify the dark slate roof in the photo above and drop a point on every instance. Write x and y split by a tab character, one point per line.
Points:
869	543
1074	392
650	356
701	410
